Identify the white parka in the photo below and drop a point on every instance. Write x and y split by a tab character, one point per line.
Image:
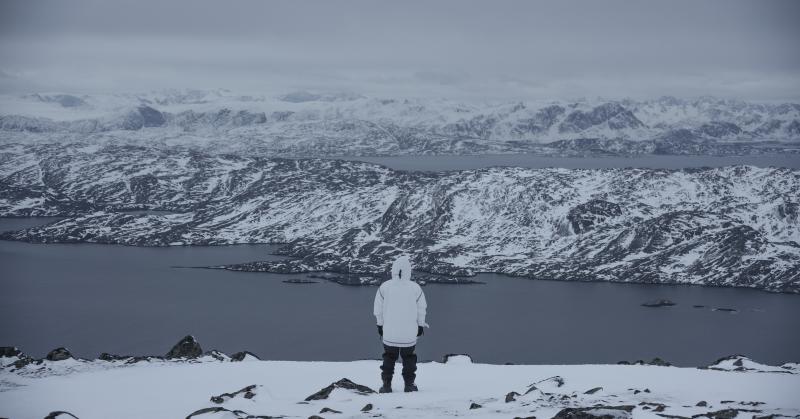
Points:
400	306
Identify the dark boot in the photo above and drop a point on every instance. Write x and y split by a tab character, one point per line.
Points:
409	368
387	385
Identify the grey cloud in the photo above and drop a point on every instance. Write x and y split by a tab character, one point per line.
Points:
497	49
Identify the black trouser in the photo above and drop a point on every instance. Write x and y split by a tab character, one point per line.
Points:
390	355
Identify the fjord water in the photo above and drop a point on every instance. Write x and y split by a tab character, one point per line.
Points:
137	300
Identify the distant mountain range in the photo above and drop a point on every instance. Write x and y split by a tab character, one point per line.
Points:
729	226
313	125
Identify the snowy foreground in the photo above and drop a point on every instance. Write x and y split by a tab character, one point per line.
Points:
177	388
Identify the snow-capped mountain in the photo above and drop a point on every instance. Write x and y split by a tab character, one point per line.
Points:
310	124
728	226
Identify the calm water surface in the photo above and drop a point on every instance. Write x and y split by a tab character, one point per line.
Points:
134	300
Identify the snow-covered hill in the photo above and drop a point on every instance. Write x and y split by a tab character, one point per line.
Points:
307	124
213	385
728	226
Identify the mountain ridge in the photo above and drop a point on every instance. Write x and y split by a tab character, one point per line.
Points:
315	125
727	226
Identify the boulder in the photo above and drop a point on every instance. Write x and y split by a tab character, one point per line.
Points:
474	405
328	410
457	359
58	354
367	408
244	356
9	352
344	383
60	414
511	397
593	390
596	412
186	348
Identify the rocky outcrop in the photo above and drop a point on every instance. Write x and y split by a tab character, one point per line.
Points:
247	393
457	359
9	352
742	363
58	354
244	356
596	412
185	348
60	415
343	384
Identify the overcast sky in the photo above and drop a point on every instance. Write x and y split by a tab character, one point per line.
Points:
491	49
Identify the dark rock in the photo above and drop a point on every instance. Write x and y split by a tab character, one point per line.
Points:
658	303
186	348
367	408
596	412
557	380
328	410
594	390
526	417
656	407
239	356
474	405
233	413
344	383
218	355
730	310
702	403
299	281
9	352
448	356
246	392
23	361
719	414
655	361
512	396
315	417
207	410
699	306
57	414
58	354
105	356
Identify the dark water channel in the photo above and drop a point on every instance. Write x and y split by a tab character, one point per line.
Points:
133	300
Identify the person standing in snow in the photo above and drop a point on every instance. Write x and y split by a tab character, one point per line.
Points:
400	310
